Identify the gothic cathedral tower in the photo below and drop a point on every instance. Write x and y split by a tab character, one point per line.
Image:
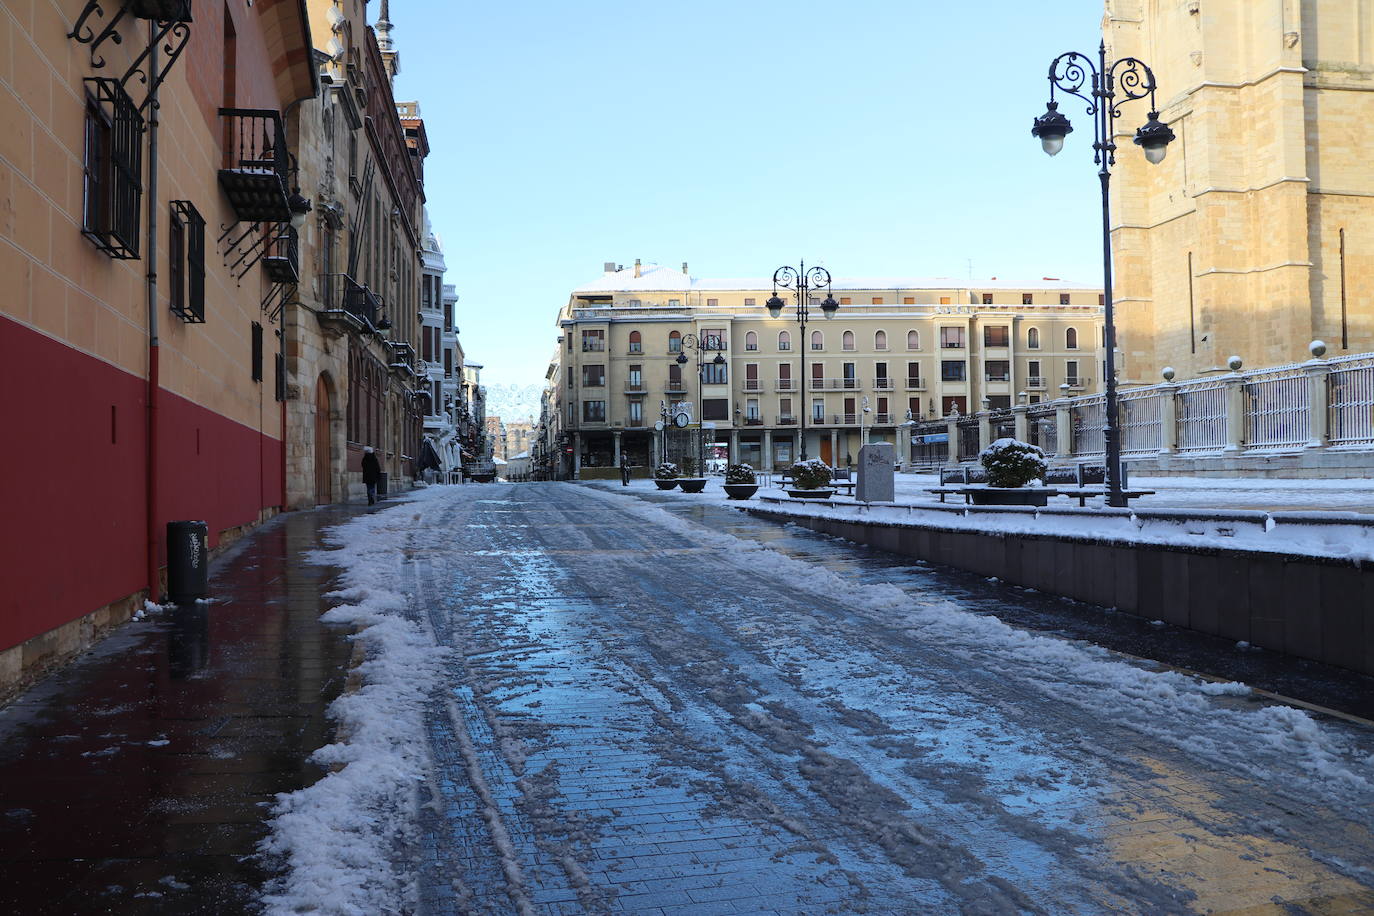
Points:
1255	234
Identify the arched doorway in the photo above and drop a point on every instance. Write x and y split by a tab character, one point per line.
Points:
324	492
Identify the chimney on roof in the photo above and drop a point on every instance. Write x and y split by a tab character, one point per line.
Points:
684	266
608	267
636	267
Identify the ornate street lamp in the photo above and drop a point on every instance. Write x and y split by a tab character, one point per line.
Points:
1099	85
693	342
801	281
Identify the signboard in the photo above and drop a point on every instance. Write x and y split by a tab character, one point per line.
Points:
931	439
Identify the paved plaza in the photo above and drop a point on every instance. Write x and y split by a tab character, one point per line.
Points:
580	701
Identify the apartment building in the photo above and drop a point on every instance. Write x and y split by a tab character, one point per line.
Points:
649	344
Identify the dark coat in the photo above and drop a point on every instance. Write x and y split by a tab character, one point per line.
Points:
372	468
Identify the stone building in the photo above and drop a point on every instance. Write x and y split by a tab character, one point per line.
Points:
897	349
144	261
353	326
1255	234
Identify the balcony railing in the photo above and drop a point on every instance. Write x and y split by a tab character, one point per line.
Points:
1035	381
753	384
915	384
672	386
282	259
998	377
341	293
593	346
882	384
753	421
846	419
1077	381
787	384
884	419
255	164
634	386
785	420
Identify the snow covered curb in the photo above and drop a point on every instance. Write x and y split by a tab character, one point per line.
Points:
1334	535
338	839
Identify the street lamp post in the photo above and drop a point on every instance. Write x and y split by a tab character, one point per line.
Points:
801	281
693	342
1099	85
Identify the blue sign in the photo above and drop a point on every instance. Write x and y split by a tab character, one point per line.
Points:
931	439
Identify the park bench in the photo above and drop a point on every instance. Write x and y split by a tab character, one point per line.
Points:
1079	481
840	479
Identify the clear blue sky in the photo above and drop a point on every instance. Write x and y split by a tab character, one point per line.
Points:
877	138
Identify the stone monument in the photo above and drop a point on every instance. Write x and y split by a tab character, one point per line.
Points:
875	473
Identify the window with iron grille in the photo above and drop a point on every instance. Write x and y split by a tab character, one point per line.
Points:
257	352
112	169
186	258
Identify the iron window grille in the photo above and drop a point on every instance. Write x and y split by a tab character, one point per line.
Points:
186	256
257	352
112	173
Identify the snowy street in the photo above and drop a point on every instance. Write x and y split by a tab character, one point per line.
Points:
581	701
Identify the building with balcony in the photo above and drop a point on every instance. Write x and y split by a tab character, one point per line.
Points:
897	348
143	284
353	343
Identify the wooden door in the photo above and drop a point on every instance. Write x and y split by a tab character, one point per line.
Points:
323	490
826	454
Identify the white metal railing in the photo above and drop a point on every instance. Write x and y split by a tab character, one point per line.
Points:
1350	394
1089	420
1141	421
1202	416
1281	409
1277	409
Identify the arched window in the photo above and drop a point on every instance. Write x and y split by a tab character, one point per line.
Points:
913	340
1071	339
751	341
674	342
817	340
880	340
784	340
636	342
1033	339
847	341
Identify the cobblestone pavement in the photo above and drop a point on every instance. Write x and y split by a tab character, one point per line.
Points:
643	718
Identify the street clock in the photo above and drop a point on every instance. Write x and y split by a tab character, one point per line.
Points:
681	419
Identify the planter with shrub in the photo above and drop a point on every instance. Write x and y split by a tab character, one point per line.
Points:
1015	471
666	475
810	479
740	482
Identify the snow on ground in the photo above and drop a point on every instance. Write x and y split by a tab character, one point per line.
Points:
337	839
342	842
1333	530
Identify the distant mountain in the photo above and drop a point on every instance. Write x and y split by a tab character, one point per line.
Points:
513	402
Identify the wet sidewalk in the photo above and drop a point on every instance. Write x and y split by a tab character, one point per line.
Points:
138	778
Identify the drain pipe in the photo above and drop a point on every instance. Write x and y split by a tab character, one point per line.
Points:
154	384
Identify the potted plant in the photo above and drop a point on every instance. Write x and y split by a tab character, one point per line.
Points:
809	479
1012	467
740	481
665	475
689	481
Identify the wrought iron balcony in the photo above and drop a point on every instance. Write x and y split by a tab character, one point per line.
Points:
753	384
255	165
915	384
882	384
785	420
341	294
282	260
672	386
787	384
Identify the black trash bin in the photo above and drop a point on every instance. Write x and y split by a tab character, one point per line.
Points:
188	561
381	484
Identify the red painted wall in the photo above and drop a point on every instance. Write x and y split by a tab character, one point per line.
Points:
72	530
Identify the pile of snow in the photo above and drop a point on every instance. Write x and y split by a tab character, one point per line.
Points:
337	841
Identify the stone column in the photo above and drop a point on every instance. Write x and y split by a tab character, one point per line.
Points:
952	433
616	437
577	456
1235	412
767	451
1020	415
984	429
734	446
1319	403
1168	418
1063	425
835	446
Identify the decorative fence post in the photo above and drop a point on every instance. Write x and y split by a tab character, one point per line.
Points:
1235	407
985	426
1020	415
952	430
1168	413
1318	373
1063	423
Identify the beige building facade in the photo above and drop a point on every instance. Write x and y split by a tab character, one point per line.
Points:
898	349
1255	234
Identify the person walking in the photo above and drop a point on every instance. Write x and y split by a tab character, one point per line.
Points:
624	469
372	473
